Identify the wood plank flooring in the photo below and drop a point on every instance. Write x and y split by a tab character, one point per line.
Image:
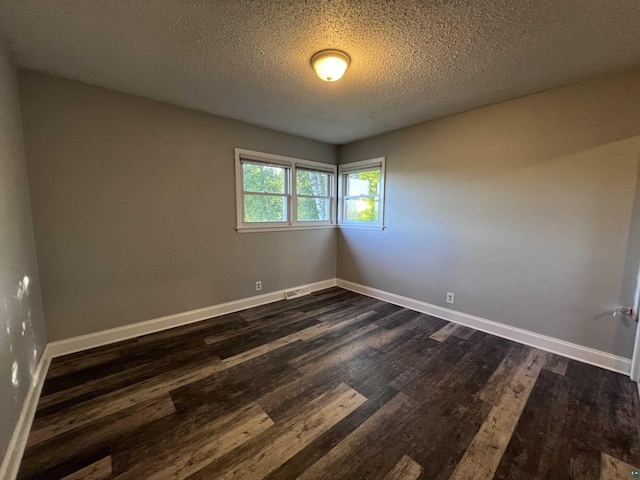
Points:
333	385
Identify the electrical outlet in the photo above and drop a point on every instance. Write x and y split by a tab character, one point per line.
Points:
258	286
450	297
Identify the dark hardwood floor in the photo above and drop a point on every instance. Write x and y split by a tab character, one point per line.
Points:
333	385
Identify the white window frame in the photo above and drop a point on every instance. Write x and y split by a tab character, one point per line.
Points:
342	186
291	164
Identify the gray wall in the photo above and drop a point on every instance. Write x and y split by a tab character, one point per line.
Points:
134	208
22	333
522	209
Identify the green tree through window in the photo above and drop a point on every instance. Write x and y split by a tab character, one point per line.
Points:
264	180
363	196
313	192
275	192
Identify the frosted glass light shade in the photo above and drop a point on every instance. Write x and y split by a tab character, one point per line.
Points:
330	65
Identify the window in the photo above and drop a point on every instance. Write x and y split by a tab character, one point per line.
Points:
265	192
362	193
313	192
275	192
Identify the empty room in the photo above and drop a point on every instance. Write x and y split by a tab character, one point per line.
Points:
326	239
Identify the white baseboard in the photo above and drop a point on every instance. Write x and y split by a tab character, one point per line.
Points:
549	344
543	342
98	339
18	442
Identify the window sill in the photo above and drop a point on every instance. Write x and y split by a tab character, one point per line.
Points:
363	227
282	229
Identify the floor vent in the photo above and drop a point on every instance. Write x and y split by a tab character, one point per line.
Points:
297	292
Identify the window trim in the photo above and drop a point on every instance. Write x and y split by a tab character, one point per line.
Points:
347	168
291	164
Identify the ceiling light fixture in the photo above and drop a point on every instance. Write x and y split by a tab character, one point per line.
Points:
330	65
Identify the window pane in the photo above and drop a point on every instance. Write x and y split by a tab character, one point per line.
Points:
310	182
361	210
313	209
265	208
366	182
263	178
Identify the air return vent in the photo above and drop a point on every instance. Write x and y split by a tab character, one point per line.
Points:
297	292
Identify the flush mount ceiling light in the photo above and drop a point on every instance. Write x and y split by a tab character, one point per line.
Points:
330	65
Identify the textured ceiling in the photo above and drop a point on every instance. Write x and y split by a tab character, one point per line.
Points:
249	59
